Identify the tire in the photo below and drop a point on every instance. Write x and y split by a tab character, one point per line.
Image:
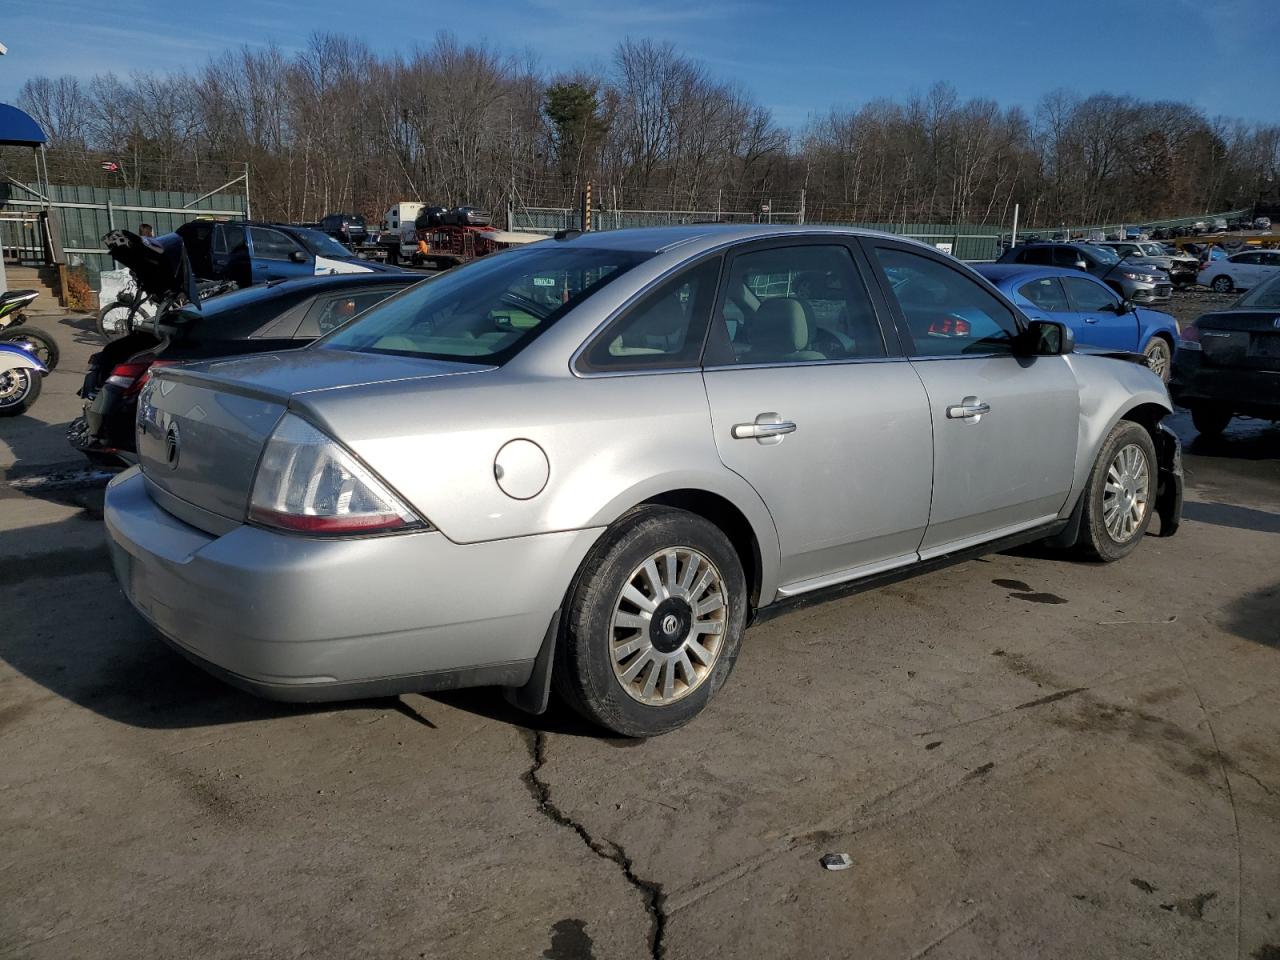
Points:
1222	284
111	320
42	344
18	391
1109	530
1210	421
662	683
1159	357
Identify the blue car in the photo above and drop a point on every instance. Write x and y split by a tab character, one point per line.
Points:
1093	311
250	253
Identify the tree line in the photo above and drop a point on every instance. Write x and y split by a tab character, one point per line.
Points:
337	127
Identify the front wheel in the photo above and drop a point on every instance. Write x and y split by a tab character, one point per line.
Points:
18	391
1159	357
41	345
1120	494
1222	284
114	321
655	623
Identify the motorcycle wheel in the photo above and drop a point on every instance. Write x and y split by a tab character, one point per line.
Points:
41	344
18	391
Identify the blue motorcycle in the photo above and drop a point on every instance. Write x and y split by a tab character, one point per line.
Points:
21	376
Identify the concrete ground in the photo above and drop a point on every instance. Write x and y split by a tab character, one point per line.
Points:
1023	756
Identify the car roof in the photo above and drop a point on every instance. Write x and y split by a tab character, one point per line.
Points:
696	237
1007	272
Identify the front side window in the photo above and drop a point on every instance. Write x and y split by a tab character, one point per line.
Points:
1037	255
948	314
1045	293
235	238
797	304
321	244
1247	258
490	309
1089	296
271	244
665	330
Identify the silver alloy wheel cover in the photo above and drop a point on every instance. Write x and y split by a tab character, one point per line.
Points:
1126	495
14	386
1158	357
647	674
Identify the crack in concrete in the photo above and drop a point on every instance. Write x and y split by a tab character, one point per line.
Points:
651	892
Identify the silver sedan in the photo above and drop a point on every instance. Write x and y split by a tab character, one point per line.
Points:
590	463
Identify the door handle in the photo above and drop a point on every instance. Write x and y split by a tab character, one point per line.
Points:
768	428
970	408
1090	319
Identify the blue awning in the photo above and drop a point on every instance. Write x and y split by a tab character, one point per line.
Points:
18	129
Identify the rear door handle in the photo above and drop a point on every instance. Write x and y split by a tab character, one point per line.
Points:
768	428
1090	319
970	408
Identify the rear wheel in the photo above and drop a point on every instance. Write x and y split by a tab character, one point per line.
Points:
655	623
42	345
18	391
1222	284
1159	356
1120	494
1210	421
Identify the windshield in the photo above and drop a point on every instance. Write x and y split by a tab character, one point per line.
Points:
1152	249
1106	255
1265	296
321	244
488	310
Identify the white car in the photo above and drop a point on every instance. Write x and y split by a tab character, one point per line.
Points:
1240	271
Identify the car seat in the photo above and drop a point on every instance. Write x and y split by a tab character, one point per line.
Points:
782	330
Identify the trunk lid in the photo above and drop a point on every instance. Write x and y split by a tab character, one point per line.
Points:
1245	339
202	426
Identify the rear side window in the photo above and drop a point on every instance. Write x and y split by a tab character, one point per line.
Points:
798	304
234	239
1037	255
948	314
331	311
665	330
1045	293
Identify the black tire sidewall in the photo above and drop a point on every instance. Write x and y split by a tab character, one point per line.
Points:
1209	421
39	336
1096	538
1159	343
584	675
1222	288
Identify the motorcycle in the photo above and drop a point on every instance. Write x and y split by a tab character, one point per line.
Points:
116	319
13	329
21	375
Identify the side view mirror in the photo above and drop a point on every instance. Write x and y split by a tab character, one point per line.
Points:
1080	265
1048	338
297	256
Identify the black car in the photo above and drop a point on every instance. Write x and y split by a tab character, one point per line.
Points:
1228	362
348	228
279	315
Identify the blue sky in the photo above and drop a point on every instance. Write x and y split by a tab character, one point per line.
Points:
797	58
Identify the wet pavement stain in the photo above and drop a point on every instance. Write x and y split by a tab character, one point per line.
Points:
569	941
1039	597
1192	907
1021	590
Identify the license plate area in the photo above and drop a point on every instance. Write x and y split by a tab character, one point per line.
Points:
1265	346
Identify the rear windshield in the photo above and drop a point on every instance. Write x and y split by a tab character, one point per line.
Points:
488	310
1265	296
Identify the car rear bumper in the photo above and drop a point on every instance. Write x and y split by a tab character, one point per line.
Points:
297	618
1253	393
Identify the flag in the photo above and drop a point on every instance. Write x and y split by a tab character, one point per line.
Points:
110	166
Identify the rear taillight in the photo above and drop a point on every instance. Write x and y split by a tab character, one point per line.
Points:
308	483
1189	337
129	376
132	376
